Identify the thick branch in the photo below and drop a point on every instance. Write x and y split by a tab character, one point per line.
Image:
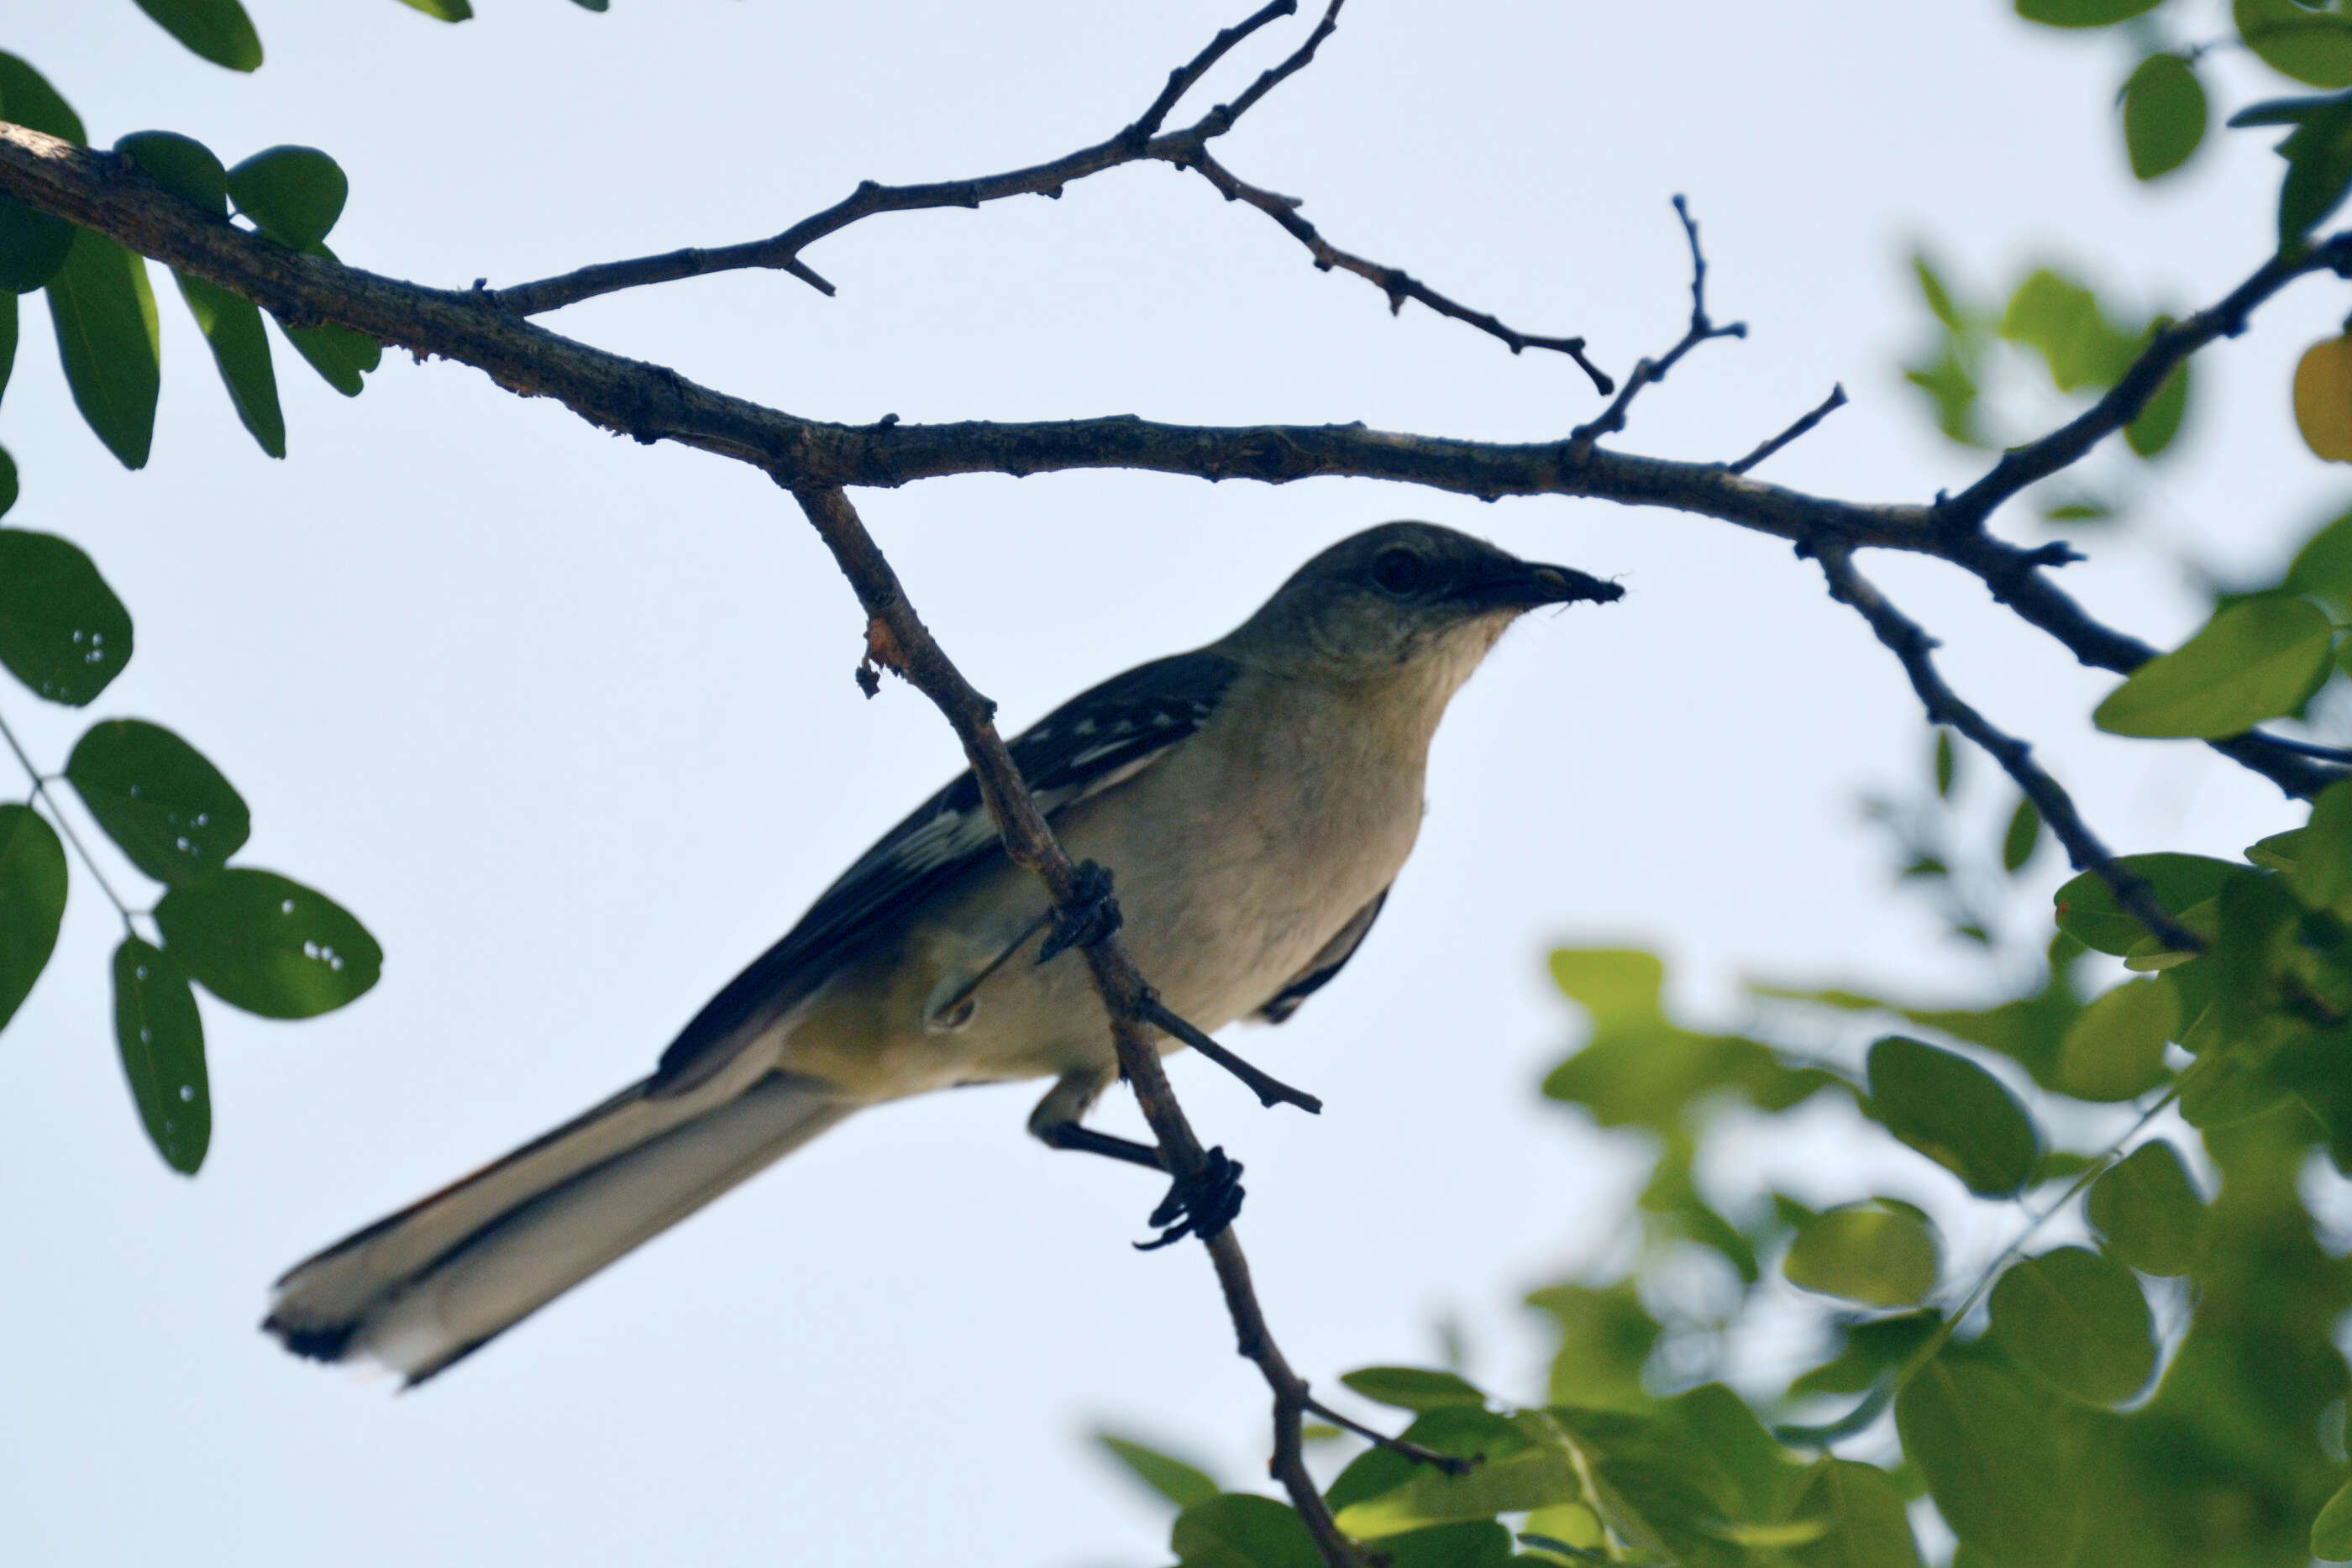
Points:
898	636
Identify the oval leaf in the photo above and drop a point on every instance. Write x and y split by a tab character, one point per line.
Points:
2153	430
1869	1253
2083	12
2076	1317
2311	42
2087	910
1955	1112
1411	1387
105	318
62	631
271	946
2024	832
293	194
1172	1479
32	902
219	30
232	329
162	1044
2331	1532
162	804
2114	1048
442	10
2322	874
2147	1211
2164	114
2322	399
181	165
33	245
1235	1530
340	355
1991	1453
1862	1518
2261	658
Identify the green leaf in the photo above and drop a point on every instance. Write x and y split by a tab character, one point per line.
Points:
2076	1317
271	946
219	30
2078	512
1235	1530
105	319
1476	1544
33	245
1541	1476
1568	1525
2323	567
2148	1212
8	464
2115	1049
1992	1454
2318	155
181	165
2058	316
2322	861
162	1043
1873	1347
2159	422
340	355
1931	287
1614	984
2164	114
2331	1532
2024	832
2088	911
2310	40
1947	763
1865	1525
32	902
1172	1479
1411	1387
442	10
293	194
2260	658
1950	385
1955	1112
162	804
1866	1252
2083	12
8	363
232	329
62	631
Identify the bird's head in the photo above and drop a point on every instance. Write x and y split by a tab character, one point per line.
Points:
1403	595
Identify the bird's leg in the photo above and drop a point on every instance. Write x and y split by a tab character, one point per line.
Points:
1201	1205
1055	1123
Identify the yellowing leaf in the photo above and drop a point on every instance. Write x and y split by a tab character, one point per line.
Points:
2322	399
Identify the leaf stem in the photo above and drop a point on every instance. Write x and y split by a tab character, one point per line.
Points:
64	826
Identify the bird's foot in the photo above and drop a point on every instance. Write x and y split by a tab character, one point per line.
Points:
1091	915
1201	1205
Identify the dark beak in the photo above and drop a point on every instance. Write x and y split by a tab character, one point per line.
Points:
1529	585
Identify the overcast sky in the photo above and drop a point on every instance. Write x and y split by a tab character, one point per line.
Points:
570	722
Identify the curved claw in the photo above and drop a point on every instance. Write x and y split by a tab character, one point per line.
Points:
1092	914
1203	1206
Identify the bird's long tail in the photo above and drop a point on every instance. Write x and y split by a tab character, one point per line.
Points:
421	1289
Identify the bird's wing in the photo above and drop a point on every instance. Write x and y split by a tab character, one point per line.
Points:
1100	739
1327	963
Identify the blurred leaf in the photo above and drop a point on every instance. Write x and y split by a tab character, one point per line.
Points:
8	363
2277	852
162	1043
8	464
32	902
2078	512
167	808
2083	12
232	328
442	10
265	943
1955	1112
1411	1387
1606	1336
2087	909
2076	1317
2323	567
62	631
181	165
2322	399
105	318
33	245
2154	430
1235	1530
1865	1524
1612	983
1873	1347
219	30
2165	115
2323	862
2261	658
1866	1252
1990	1451
339	354
2318	153
2331	1532
2024	832
1478	1544
1947	763
1569	1524
1531	1478
1753	1474
1950	386
293	194
2299	39
2058	316
1172	1479
1938	298
2114	1051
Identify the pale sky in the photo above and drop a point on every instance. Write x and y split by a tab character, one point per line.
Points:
569	722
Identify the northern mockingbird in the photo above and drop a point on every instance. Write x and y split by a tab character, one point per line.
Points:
1254	800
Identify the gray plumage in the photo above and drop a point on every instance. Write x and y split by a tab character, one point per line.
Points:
1254	800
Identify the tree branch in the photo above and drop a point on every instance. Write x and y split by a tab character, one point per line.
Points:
1648	372
1821	411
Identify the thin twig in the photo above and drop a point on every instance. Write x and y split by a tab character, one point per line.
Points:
1915	648
897	636
1184	78
1828	406
1270	1090
41	792
1649	372
1452	1464
2304	748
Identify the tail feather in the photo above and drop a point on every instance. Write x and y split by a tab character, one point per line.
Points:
421	1289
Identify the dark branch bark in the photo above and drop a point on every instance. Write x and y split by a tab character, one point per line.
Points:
1821	411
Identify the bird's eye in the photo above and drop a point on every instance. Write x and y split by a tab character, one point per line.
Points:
1399	571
